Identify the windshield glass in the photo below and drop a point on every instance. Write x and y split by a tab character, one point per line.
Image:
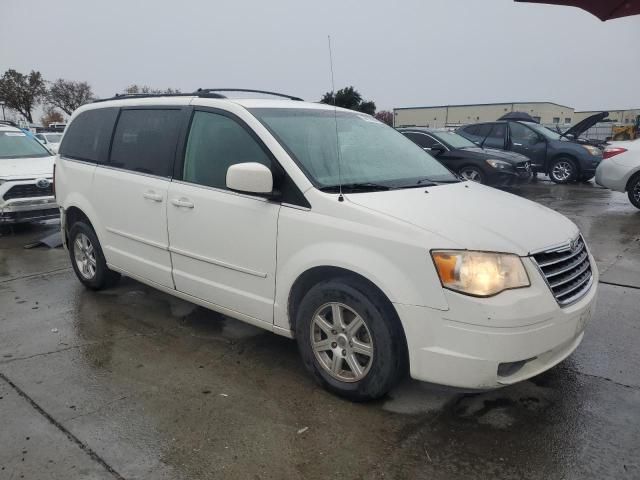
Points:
453	139
544	131
370	151
20	145
53	137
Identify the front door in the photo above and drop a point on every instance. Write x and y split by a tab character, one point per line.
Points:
222	243
525	141
132	191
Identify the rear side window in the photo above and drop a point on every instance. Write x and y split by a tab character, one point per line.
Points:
88	136
145	140
215	143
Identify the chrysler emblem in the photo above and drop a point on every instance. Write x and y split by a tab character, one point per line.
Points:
573	244
42	183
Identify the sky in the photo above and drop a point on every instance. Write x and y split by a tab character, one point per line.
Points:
396	53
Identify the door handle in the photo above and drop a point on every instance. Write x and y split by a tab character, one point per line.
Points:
151	195
517	144
182	202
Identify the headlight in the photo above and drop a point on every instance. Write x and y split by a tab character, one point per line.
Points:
595	151
481	274
499	164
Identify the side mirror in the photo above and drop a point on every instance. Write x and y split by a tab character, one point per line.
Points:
250	177
436	149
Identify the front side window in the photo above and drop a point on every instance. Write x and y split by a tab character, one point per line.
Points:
215	143
420	139
17	144
370	152
145	141
454	140
522	135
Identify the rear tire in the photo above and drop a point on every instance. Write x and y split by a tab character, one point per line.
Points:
633	190
350	339
87	258
563	170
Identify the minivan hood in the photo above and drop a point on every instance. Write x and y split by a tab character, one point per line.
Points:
474	217
14	168
584	125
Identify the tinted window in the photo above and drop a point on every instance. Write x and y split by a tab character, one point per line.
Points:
496	136
522	135
88	136
476	133
145	141
215	143
425	141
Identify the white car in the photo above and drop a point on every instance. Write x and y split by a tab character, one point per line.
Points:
50	139
26	178
326	226
620	169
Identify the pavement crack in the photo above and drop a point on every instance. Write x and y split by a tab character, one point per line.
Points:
38	274
614	284
83	446
101	407
600	377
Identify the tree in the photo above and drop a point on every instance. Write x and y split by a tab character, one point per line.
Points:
68	95
134	88
22	92
385	116
51	115
350	98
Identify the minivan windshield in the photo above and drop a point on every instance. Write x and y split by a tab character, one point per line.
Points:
372	154
544	131
17	144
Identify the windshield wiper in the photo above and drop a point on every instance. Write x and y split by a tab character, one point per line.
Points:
426	182
363	186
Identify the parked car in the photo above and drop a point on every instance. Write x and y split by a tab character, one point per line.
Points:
26	171
620	169
490	166
558	155
50	139
324	225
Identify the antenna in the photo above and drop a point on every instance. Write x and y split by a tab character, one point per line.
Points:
335	118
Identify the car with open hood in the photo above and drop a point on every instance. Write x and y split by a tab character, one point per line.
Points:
560	155
326	226
26	178
483	165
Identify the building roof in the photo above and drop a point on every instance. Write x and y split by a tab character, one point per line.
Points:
482	105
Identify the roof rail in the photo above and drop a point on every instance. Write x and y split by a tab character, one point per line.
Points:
208	91
201	92
9	122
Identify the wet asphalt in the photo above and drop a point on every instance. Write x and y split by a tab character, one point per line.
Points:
132	383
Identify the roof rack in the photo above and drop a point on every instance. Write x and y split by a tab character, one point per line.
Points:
209	91
201	92
9	122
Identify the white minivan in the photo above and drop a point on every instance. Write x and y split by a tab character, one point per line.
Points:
326	226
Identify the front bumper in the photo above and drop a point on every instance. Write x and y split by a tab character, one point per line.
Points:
28	210
488	343
612	175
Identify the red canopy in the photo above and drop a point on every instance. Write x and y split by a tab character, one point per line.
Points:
603	9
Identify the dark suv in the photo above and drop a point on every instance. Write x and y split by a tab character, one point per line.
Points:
564	160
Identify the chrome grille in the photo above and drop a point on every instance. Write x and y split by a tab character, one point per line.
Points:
567	271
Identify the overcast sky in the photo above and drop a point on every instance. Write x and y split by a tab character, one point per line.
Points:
404	53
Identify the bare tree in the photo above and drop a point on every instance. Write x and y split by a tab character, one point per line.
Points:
134	88
68	95
51	115
22	92
385	116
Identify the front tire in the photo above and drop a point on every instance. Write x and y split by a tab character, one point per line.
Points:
350	339
634	191
563	170
87	258
472	173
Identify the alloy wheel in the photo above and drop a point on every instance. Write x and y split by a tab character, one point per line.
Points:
562	171
636	192
470	174
341	342
85	256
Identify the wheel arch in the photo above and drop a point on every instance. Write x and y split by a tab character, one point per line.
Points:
318	274
632	178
